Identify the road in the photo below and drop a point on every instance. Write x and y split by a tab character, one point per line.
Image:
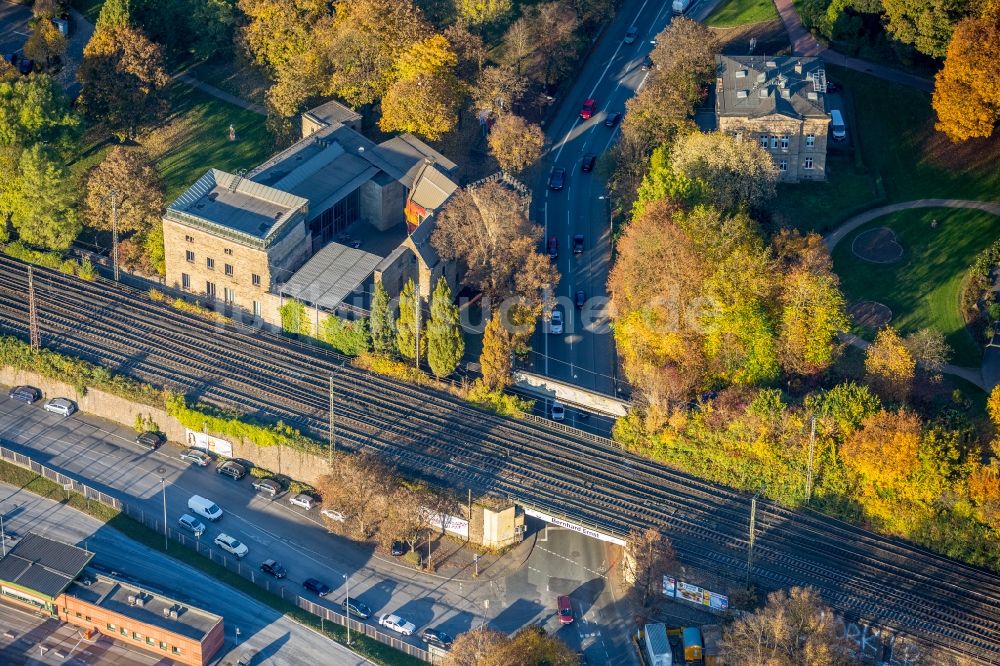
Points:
886	581
103	454
278	640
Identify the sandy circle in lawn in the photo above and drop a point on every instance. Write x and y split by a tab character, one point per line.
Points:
870	314
877	246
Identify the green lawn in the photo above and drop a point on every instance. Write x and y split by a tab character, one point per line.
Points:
821	206
923	289
89	8
732	13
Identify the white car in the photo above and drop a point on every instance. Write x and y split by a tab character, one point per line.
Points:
333	515
231	545
192	524
197	456
556	322
397	624
558	412
61	406
303	500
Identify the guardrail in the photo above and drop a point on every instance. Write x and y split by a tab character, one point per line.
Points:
153	520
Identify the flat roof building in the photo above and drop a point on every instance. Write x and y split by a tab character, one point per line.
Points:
37	570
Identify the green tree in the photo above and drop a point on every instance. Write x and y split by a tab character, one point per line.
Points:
445	344
293	318
813	313
407	324
662	182
731	172
926	24
495	360
35	109
483	11
114	14
348	337
43	206
383	331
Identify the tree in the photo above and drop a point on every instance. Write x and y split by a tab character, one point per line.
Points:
928	349
407	325
137	187
794	628
427	106
360	486
477	647
428	57
531	646
926	24
731	172
45	9
967	91
383	329
46	43
890	365
469	48
495	360
993	406
554	29
884	452
498	90
647	558
515	143
406	518
662	182
519	42
35	109
114	14
123	78
478	12
445	344
42	205
277	33
813	313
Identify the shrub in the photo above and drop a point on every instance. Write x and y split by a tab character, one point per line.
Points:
260	473
293	318
497	401
392	368
296	487
86	271
352	338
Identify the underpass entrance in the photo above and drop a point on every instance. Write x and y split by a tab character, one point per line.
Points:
586	530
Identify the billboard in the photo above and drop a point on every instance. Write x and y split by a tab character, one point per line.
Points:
200	440
452	524
694	594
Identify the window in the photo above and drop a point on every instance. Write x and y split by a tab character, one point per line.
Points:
229	295
783	165
189	255
87	618
175	650
210	289
210	262
774	141
784	142
150	641
808	164
189	239
255	279
229	270
136	636
163	646
256	308
810	140
763	141
229	251
111	627
122	631
79	614
185	281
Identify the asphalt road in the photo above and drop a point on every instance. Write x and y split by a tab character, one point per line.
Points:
104	455
13	27
278	640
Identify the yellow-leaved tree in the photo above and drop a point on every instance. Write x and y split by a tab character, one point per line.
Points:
890	365
967	89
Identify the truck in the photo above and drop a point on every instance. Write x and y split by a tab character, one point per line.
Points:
657	646
691	639
205	508
681	6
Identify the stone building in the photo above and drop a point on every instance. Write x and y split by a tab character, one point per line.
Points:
310	223
780	103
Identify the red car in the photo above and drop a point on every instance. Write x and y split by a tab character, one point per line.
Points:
589	108
565	610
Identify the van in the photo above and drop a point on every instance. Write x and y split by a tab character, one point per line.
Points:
204	507
837	128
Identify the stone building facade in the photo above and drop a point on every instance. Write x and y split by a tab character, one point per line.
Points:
778	102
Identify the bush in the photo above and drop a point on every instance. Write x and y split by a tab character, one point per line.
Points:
392	368
53	260
293	318
497	401
87	271
260	473
352	338
296	487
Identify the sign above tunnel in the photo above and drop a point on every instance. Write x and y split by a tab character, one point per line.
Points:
576	527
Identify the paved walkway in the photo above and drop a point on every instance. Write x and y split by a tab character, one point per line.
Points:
803	43
191	80
988	375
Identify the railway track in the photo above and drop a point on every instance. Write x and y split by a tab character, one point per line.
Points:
865	576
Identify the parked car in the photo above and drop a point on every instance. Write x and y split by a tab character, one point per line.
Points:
558	412
436	637
231	545
26	394
305	501
565	610
578	244
356	608
232	469
61	406
613	119
589	109
397	624
333	514
196	456
557	179
204	507
274	568
647	64
588	162
631	34
318	588
398	548
268	487
151	440
580	299
192	524
552	247
556	322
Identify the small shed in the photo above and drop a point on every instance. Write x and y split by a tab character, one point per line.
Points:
657	645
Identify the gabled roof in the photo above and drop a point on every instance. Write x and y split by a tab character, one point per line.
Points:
432	188
408	153
758	86
333	113
330	276
421	240
43	565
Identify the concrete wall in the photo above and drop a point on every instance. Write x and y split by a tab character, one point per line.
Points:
547	387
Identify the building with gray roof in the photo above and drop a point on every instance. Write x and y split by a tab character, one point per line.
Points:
780	102
37	570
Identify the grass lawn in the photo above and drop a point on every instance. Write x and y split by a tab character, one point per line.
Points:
923	288
89	8
732	13
821	206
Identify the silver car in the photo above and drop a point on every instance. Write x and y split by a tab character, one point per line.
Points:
231	545
61	406
197	456
192	524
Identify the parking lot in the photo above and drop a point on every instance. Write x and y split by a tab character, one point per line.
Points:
13	27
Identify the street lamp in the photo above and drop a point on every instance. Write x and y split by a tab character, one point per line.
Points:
347	605
3	536
163	491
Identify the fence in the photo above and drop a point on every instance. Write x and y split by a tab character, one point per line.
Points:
154	521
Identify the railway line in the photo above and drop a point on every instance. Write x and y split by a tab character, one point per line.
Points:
865	576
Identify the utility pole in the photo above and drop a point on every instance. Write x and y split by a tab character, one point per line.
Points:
333	426
33	336
750	542
114	232
348	609
3	536
416	321
809	469
163	488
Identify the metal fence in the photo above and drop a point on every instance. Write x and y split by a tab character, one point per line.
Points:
154	521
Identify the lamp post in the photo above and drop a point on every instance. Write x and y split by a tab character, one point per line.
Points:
348	607
163	490
3	536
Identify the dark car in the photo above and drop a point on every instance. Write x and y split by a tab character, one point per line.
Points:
267	486
557	179
25	66
436	637
578	244
579	299
356	608
613	119
647	64
553	247
274	568
588	162
27	394
398	548
317	587
589	109
565	610
151	440
232	469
